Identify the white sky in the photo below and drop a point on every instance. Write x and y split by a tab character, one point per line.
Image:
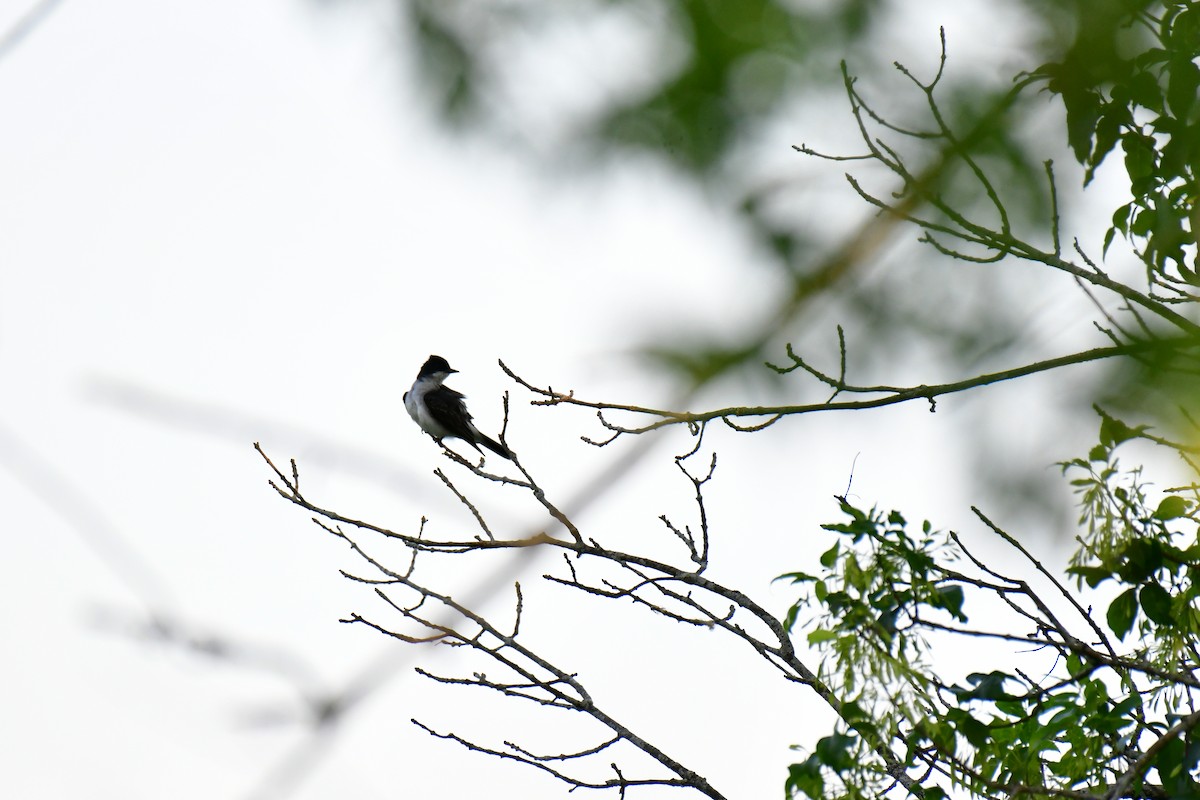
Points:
224	222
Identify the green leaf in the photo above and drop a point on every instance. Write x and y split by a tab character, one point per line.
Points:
1181	89
1144	222
971	729
1145	91
1172	507
450	62
1120	218
805	778
1108	240
1083	110
1156	603
837	602
1175	763
853	713
855	576
989	686
821	635
943	738
1139	156
919	562
790	620
1113	431
1143	558
1127	705
1094	576
951	599
1122	613
1012	708
836	751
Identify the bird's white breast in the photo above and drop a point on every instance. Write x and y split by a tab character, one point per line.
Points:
415	405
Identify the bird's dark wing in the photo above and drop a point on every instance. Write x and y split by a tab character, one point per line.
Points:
447	407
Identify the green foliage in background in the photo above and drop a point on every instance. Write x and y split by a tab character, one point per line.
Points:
723	74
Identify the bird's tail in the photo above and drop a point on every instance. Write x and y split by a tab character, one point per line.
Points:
495	447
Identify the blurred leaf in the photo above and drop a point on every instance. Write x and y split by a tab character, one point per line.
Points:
837	751
951	598
1181	89
1175	761
796	577
971	729
1172	507
805	778
736	71
1113	432
818	636
986	686
702	364
789	621
1122	612
1142	558
1156	603
445	58
1094	576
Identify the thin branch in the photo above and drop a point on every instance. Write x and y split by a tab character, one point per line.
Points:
1100	635
576	783
463	499
893	395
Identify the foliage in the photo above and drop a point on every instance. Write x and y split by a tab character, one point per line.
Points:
1147	104
1114	715
1099	722
724	66
713	80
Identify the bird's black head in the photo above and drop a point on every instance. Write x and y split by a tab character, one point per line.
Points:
434	365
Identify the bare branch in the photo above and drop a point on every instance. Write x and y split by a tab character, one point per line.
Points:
892	395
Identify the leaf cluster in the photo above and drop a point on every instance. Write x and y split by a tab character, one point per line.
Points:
878	582
1150	548
1147	104
1102	722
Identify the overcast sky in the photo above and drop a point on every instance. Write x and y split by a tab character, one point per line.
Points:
229	222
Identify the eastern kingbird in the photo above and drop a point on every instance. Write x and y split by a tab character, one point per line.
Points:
440	410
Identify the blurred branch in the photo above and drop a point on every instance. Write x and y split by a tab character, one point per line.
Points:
234	425
63	497
25	25
162	622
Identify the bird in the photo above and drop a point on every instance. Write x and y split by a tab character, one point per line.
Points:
441	412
